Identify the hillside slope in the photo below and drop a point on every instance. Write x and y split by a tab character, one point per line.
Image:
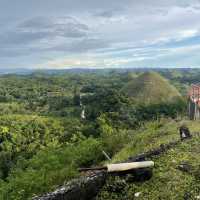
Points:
168	181
150	87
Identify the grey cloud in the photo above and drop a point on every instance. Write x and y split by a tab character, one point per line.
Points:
105	13
4	53
19	51
26	38
36	22
55	7
83	45
40	28
58	24
58	6
20	38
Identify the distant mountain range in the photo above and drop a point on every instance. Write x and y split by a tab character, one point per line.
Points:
25	71
16	71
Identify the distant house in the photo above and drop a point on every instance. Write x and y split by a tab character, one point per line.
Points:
194	102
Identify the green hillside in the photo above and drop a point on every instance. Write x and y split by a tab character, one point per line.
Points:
168	181
150	87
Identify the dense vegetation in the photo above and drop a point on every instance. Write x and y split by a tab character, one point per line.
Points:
44	139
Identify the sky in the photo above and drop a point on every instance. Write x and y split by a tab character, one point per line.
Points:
57	34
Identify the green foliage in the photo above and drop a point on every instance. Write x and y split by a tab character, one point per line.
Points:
112	139
43	140
25	135
149	136
105	100
49	168
156	111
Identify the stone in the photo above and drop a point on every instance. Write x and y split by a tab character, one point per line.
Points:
137	194
185	167
184	132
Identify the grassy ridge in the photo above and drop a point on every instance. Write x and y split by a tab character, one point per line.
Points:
150	136
168	182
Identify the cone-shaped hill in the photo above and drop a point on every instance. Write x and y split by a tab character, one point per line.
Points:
150	87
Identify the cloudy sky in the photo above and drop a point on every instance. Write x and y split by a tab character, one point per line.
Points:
99	33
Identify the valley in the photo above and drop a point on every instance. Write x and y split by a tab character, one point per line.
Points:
44	139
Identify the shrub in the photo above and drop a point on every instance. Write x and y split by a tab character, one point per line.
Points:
50	168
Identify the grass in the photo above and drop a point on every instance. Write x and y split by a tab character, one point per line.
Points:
168	182
150	136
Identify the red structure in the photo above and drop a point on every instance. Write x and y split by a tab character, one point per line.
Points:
194	101
194	93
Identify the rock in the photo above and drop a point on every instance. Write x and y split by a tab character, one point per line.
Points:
84	188
173	161
137	194
184	132
187	196
117	186
185	167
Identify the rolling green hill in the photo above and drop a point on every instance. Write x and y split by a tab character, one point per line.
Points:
149	88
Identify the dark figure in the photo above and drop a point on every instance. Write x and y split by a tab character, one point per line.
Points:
184	132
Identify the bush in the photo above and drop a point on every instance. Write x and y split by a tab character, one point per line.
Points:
50	168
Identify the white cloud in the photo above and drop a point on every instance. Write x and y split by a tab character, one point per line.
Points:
188	33
91	61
